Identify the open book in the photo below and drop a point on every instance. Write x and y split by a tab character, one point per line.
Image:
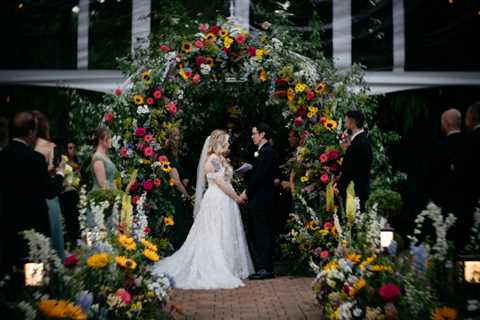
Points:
243	168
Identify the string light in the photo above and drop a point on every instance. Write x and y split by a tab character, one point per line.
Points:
76	9
20	5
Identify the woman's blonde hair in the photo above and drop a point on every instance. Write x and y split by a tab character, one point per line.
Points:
218	139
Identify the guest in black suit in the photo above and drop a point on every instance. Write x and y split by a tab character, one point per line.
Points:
25	185
357	160
260	195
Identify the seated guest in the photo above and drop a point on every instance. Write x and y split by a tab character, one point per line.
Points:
25	185
103	168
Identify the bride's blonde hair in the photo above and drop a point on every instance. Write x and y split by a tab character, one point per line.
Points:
218	140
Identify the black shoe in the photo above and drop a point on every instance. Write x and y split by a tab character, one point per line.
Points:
261	275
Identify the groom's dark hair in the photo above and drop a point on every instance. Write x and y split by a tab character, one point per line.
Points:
265	128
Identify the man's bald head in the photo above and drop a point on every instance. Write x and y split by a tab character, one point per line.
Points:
451	120
24	126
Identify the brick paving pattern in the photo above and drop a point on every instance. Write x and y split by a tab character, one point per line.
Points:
279	298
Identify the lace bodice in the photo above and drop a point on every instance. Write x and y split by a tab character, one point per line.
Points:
219	171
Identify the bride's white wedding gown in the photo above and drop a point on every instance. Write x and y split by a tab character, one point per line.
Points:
215	254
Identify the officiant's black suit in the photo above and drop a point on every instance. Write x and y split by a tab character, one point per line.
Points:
25	185
356	165
260	192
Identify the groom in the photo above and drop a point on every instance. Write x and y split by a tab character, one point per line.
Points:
259	195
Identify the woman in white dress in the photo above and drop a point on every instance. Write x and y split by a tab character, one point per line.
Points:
215	254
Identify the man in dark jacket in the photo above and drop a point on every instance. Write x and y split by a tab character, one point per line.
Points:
357	160
260	195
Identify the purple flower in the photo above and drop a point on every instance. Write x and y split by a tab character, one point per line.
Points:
84	300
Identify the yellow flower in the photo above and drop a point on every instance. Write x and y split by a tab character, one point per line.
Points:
259	53
304	179
126	262
209	61
168	221
323	232
137	306
146	77
171	182
223	33
312	111
331	265
290	94
444	313
150	246
300	87
227	42
320	88
166	166
330	124
137	99
99	260
127	242
262	76
311	225
354	258
187	47
264	39
146	161
151	255
210	37
61	309
380	268
367	262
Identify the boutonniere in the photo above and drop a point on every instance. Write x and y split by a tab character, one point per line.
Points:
256	154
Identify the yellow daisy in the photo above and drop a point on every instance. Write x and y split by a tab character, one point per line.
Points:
223	33
146	77
126	262
444	313
330	124
150	246
320	88
210	37
187	47
151	255
98	261
227	42
300	87
137	99
127	242
168	221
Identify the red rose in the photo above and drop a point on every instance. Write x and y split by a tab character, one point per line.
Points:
325	178
164	48
172	107
323	120
157	182
134	187
198	44
147	230
135	200
324	254
214	29
162	158
334	167
70	261
148	185
148	138
327	225
203	27
298	121
139	132
124	296
323	158
240	38
108	117
148	152
187	72
157	94
150	101
196	79
310	94
252	51
333	154
389	292
226	50
118	92
199	60
123	152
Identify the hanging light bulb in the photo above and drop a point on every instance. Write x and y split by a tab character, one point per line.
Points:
76	9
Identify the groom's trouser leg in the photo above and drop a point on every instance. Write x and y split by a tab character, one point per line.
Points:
263	240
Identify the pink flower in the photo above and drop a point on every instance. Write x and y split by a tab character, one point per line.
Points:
150	101
240	38
298	121
172	107
199	60
108	117
118	92
389	292
164	48
333	154
327	225
196	78
325	178
214	29
162	159
323	120
148	138
310	94
148	152
139	132
324	254
302	111
148	185
124	296
187	72
147	230
70	261
226	50
252	51
123	152
203	27
198	44
157	182
134	187
135	200
323	158
334	167
157	94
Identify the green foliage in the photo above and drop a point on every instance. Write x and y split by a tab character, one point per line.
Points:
389	203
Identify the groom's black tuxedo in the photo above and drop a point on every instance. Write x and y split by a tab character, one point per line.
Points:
260	192
25	185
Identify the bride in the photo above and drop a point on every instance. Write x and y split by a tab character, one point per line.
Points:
215	254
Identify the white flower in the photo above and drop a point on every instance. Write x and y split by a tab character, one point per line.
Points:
357	312
256	154
143	109
116	142
205	69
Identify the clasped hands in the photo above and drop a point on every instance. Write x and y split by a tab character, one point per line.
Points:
243	199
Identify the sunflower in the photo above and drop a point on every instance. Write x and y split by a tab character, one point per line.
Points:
127	242
259	53
168	221
126	262
210	37
320	88
354	258
148	245
137	99
187	47
99	260
330	124
444	313
290	94
380	268
146	77
223	33
166	166
311	225
61	309
151	255
209	61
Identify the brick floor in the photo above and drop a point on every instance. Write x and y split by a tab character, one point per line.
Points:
279	298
